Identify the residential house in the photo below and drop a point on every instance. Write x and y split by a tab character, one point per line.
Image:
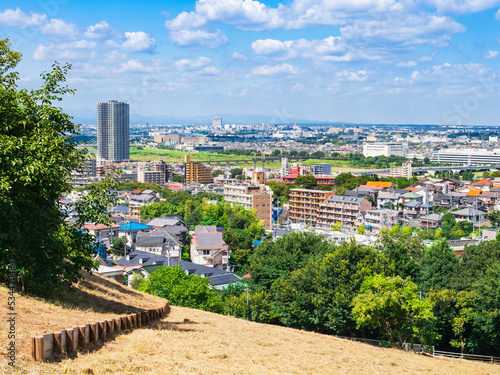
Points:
388	199
415	209
137	201
375	220
490	200
159	242
167	221
432	221
208	248
146	263
130	229
470	214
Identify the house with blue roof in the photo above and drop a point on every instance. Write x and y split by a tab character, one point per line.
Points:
130	229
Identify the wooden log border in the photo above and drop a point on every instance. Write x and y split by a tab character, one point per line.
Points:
76	338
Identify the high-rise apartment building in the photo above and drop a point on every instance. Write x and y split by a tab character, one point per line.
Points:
217	122
113	139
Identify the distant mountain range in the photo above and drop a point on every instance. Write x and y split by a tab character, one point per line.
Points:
88	116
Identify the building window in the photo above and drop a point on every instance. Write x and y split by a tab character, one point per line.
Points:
206	252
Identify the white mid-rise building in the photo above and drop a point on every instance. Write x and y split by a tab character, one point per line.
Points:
466	156
385	149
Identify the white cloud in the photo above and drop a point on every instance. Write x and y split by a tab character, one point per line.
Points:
98	31
138	42
186	64
408	64
238	56
198	38
497	14
463	6
17	18
254	15
236	94
59	28
490	54
61	51
411	30
271	47
185	20
465	74
358	76
276	69
133	65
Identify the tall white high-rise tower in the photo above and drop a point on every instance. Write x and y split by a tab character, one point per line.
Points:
113	134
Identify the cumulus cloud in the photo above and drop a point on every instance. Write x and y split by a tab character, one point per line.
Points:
236	94
133	65
358	76
138	41
61	51
490	54
59	28
408	31
407	64
17	18
198	38
274	70
100	30
238	56
254	15
463	6
186	64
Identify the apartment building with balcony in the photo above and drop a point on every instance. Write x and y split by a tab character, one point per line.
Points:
256	197
304	204
338	208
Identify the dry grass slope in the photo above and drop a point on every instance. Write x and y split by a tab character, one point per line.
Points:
197	342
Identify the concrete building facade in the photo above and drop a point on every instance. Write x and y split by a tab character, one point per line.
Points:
384	149
258	198
113	131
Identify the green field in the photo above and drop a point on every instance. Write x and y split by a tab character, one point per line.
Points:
174	156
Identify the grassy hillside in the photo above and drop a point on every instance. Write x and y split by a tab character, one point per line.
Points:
197	342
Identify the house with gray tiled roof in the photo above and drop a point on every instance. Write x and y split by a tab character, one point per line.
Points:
147	263
159	242
208	248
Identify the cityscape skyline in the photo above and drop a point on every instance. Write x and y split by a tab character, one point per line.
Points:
368	61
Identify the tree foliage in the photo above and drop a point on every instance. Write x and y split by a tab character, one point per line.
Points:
393	305
183	290
37	156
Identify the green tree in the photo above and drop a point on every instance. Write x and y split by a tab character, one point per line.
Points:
305	182
494	218
403	251
271	260
217	172
183	290
37	155
177	178
392	304
318	296
361	229
439	266
236	172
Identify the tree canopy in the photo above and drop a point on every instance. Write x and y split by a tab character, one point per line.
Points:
37	155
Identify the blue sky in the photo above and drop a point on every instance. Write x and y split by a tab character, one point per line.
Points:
368	61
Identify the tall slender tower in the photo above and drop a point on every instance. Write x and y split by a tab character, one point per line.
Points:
113	134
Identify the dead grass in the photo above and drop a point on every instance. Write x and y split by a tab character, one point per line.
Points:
95	298
197	342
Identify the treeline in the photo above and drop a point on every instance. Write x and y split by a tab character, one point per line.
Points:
399	290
